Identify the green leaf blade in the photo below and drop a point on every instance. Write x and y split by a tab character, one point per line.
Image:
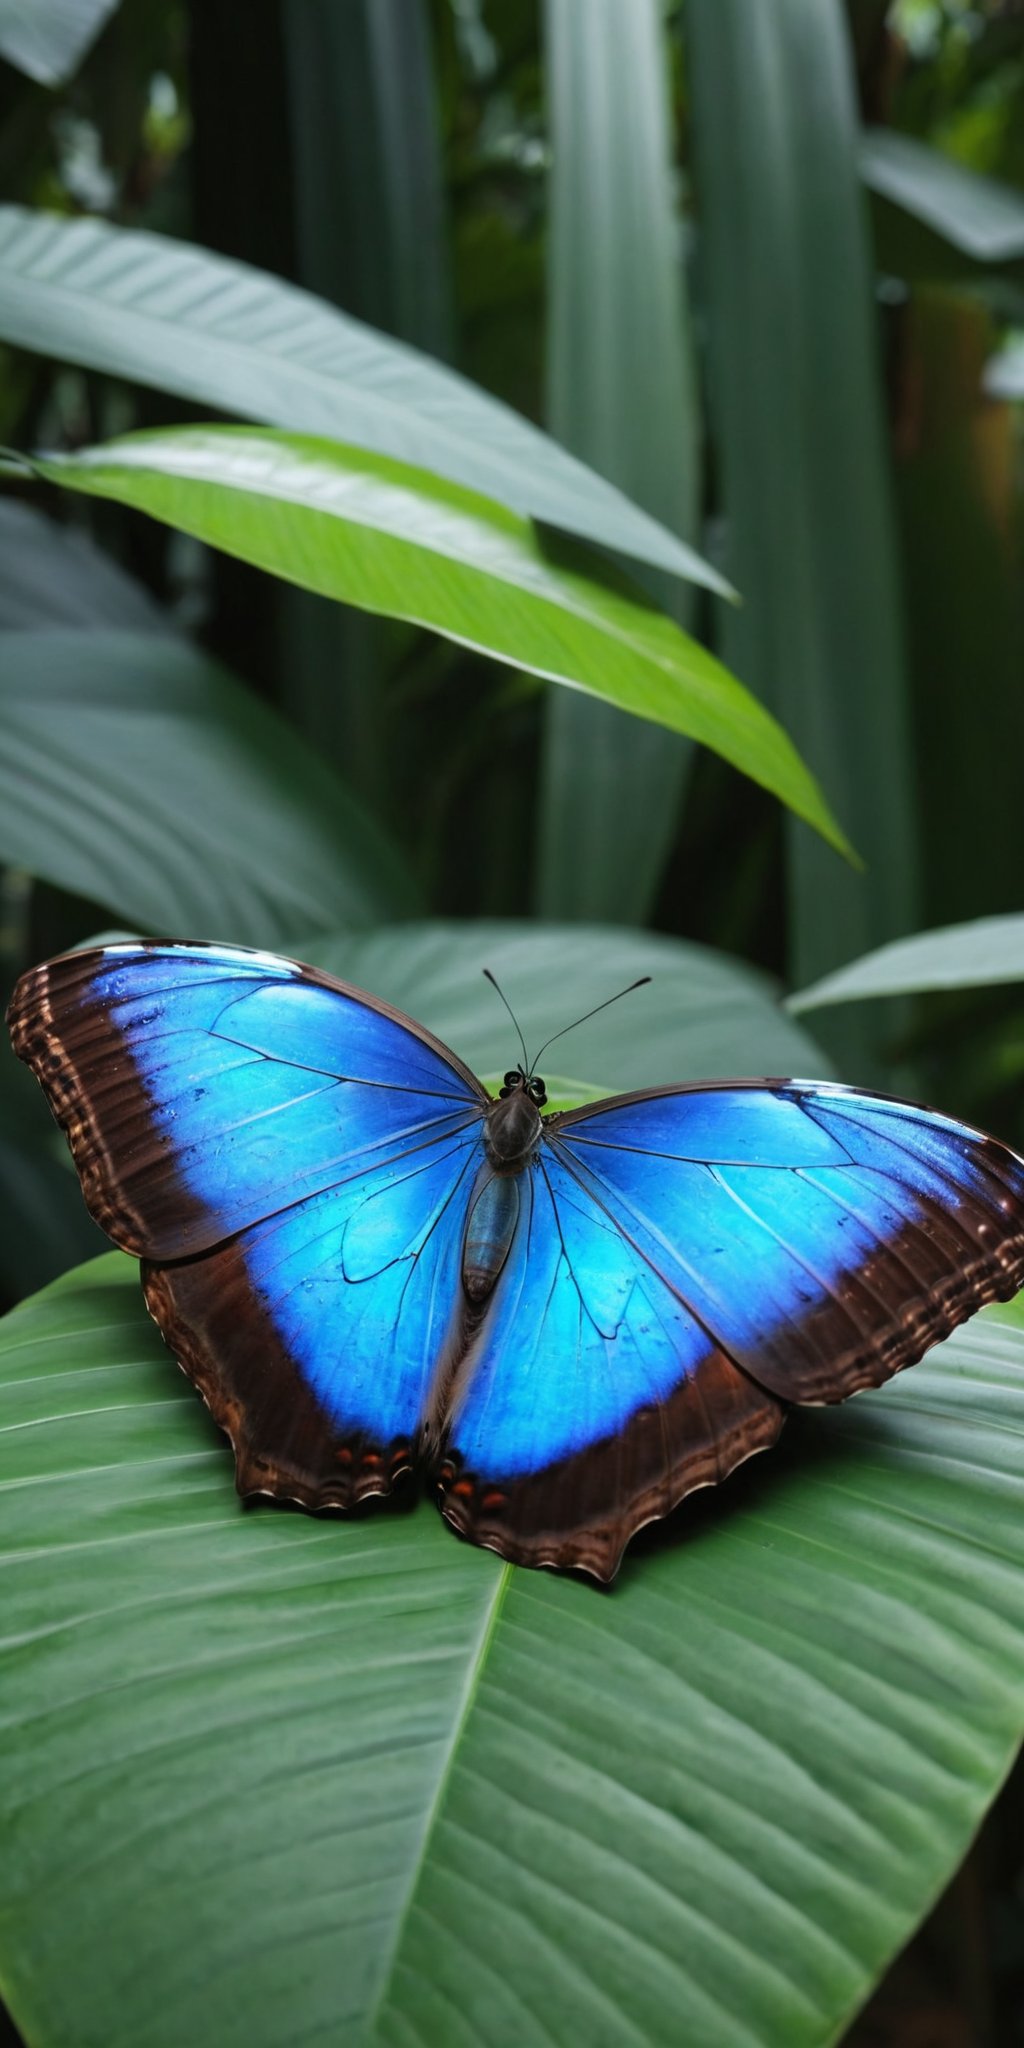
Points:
395	540
797	403
174	317
48	40
982	217
616	300
391	1778
136	771
980	954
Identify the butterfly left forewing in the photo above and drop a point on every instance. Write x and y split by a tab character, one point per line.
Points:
287	1156
202	1087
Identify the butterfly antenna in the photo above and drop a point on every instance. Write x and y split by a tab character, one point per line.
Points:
642	983
488	976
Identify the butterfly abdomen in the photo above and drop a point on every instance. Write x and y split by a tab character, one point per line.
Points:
490	1228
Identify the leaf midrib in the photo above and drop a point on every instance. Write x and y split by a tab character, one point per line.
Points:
471	1685
564	598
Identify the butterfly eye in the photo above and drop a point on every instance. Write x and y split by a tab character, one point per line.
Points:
538	1092
513	1078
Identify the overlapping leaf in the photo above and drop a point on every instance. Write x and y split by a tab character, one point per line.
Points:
622	394
795	389
396	540
166	314
49	38
136	771
981	217
975	955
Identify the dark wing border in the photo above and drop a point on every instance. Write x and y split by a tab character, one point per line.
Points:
580	1513
973	1266
290	1449
56	1051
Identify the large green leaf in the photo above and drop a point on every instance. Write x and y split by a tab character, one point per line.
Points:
135	771
796	395
981	217
47	39
166	314
975	955
268	1778
370	206
621	394
703	1013
396	540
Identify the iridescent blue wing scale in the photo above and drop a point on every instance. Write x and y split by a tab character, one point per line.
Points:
697	1258
292	1161
591	1399
301	1170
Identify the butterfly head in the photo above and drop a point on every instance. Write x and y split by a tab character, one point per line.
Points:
514	1123
517	1081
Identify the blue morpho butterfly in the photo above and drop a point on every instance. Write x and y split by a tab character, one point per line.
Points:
364	1262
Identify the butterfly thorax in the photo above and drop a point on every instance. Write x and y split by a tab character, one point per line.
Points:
513	1124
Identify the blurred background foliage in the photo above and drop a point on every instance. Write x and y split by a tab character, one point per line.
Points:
762	266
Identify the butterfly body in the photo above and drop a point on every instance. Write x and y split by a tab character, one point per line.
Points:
513	1127
366	1264
490	1228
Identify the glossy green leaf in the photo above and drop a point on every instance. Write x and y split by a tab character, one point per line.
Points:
975	955
47	39
396	540
137	772
621	394
398	1792
980	216
796	396
166	314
